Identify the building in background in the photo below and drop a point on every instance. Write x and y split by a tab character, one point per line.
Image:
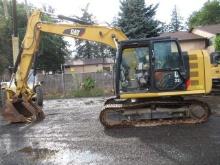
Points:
196	38
89	65
188	41
209	32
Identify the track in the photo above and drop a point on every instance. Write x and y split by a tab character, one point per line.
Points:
146	113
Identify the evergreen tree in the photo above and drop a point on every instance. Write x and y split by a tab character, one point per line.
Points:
176	23
164	27
137	20
90	49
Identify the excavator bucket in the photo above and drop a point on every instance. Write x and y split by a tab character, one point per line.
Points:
22	112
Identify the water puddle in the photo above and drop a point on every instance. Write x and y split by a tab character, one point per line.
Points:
89	102
78	157
62	157
36	153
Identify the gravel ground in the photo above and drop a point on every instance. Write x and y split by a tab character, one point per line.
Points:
71	134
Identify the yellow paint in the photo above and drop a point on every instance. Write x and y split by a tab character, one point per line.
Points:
215	71
160	94
208	75
92	32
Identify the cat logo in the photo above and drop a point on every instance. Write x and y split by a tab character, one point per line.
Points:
76	32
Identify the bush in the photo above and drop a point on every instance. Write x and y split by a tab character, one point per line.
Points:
88	83
217	43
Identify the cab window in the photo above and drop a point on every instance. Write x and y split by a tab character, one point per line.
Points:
166	55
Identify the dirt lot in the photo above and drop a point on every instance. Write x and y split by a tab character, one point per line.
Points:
71	134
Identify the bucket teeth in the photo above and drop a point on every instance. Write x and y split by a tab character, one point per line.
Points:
22	112
40	113
11	114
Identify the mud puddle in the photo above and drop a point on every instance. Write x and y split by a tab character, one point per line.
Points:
38	153
64	156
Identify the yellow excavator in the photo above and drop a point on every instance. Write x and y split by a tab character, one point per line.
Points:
152	77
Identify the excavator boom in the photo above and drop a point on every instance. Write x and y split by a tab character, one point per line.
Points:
19	106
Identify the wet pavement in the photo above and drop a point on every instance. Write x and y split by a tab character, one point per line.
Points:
71	134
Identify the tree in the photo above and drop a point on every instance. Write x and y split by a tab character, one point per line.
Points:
176	23
52	54
56	49
5	38
217	43
53	48
137	20
208	14
90	49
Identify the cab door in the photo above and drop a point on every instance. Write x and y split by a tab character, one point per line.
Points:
168	72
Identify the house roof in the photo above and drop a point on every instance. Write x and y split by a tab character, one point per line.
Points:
182	35
214	29
96	61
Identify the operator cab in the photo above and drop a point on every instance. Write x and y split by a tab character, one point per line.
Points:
150	65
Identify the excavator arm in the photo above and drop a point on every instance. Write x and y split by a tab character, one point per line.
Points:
19	105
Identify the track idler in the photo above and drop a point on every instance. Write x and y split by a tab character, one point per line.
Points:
22	111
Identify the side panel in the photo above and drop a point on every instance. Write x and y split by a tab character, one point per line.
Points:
197	75
208	71
200	71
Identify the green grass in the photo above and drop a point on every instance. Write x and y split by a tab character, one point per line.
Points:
95	92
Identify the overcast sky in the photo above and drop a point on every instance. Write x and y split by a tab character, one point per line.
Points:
105	10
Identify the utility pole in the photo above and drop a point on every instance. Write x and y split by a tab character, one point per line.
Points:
5	6
14	12
26	6
62	67
15	39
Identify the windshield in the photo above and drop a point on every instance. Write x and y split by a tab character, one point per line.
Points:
134	69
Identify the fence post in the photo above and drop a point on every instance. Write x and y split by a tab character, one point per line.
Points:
63	81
